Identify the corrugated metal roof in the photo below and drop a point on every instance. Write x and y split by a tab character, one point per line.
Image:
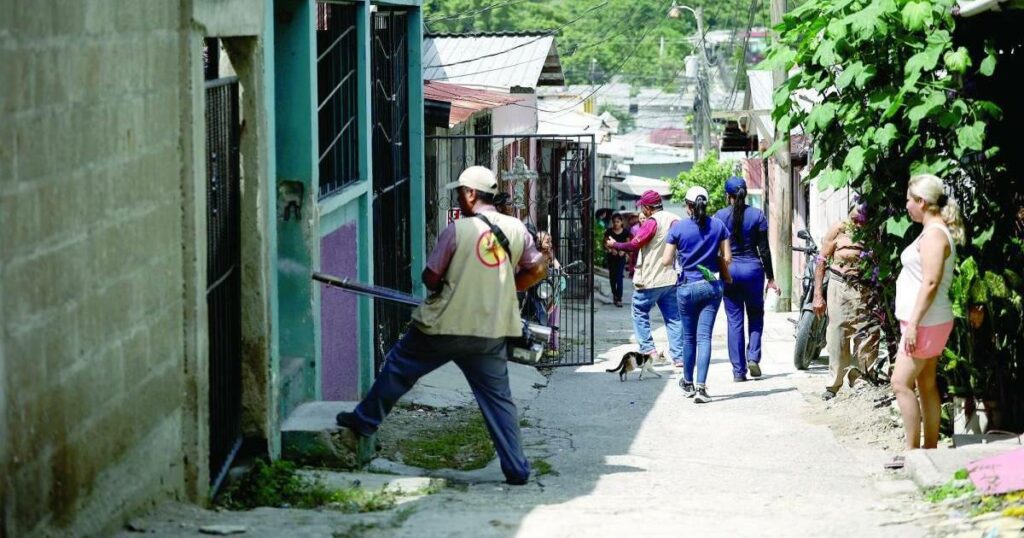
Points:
494	60
465	101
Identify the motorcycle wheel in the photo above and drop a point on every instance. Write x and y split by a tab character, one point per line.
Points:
808	344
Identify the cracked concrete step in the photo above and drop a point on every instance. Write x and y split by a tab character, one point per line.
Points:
311	436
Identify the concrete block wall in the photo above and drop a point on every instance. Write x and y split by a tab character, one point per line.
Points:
91	264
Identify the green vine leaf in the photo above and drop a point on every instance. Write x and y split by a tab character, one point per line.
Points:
894	106
854	162
885	136
981	239
971	137
865	75
957	61
825	56
821	116
833	179
916	15
931	102
897	226
925	60
837	30
849	74
988	65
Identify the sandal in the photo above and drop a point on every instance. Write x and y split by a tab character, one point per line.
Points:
895	463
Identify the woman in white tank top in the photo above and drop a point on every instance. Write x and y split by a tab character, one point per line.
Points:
924	309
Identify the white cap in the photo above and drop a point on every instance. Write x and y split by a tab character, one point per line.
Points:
696	192
478	178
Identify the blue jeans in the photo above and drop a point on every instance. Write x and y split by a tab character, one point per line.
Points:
643	301
482	361
698	306
745	296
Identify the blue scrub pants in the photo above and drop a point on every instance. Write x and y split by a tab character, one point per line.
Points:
745	296
484	363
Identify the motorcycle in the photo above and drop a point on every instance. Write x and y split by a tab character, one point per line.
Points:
810	328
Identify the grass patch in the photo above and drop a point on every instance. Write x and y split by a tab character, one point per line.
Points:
464	446
1008	504
278	484
524	423
950	490
542	467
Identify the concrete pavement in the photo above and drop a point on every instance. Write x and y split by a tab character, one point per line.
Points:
639	459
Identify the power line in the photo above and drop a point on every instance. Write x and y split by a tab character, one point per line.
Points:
521	45
471	14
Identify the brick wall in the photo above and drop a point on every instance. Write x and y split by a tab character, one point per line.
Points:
91	266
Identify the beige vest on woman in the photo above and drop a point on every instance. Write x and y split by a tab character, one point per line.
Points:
650	273
478	293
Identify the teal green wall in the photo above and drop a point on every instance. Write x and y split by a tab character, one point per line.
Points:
298	241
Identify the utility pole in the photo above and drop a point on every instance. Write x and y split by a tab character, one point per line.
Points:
702	103
781	205
704	112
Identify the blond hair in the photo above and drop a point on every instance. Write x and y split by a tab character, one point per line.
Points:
932	190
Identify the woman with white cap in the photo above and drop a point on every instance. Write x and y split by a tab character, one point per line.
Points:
699	245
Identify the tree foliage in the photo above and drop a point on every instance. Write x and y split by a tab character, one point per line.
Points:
601	43
709	173
888	81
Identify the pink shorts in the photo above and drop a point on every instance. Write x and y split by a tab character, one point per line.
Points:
931	340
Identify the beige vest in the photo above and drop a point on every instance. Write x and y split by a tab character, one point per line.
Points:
650	273
478	293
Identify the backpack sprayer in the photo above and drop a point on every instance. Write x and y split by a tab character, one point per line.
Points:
525	349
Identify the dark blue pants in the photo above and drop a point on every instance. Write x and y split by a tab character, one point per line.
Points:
698	306
482	361
616	270
745	296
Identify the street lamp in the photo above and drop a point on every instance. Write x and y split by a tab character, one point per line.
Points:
702	120
676	11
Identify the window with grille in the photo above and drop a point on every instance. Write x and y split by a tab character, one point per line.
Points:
337	96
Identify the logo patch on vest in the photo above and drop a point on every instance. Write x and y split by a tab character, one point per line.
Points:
489	251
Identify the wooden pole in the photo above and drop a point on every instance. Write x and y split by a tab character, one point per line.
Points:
781	208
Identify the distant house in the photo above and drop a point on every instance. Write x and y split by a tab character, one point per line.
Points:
500	60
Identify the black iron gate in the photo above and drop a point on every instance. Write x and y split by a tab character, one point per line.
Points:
223	274
552	188
392	251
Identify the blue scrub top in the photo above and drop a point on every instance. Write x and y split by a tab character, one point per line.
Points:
696	246
754	222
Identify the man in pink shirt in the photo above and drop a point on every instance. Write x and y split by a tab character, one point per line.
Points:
654	283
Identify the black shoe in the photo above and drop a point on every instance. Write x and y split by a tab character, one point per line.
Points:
739	378
348	421
827	395
755	369
702	395
688	389
517	481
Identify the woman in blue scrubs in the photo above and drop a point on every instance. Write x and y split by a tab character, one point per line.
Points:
699	247
751	264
